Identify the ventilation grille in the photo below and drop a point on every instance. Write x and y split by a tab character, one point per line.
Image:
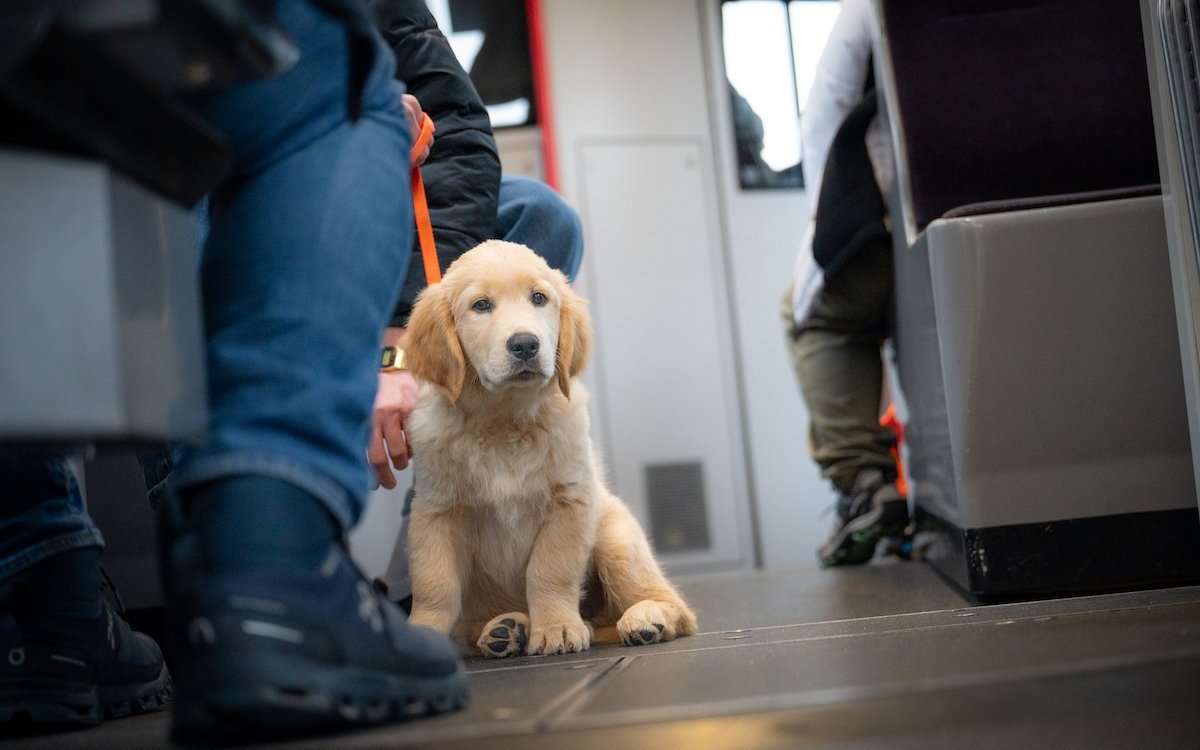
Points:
678	506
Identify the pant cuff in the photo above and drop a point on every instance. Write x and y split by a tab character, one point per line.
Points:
336	498
27	558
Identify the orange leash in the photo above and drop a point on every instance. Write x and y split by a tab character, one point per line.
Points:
433	273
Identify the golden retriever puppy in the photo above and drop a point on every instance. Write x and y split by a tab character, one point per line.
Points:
516	545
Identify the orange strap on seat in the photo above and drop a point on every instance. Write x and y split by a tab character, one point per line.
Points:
433	272
889	419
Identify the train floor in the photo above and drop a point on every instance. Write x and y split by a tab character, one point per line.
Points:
883	656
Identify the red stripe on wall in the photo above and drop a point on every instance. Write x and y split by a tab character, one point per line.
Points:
541	90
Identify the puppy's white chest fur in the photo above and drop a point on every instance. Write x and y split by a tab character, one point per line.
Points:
508	466
500	473
507	461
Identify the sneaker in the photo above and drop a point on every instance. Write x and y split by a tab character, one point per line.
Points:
67	668
265	651
874	510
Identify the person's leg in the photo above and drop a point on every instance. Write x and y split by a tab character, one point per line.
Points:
306	243
835	351
41	510
274	627
530	213
157	465
65	657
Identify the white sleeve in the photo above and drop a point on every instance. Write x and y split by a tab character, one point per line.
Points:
837	87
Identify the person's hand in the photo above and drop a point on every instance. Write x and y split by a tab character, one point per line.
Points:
394	403
414	115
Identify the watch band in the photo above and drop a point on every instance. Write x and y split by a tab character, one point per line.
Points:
392	358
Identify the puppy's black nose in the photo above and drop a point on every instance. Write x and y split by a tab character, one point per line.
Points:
523	345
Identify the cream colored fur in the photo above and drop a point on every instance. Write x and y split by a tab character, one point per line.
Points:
511	517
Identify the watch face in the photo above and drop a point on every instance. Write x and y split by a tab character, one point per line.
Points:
391	358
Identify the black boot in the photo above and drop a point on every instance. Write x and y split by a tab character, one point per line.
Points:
275	630
65	656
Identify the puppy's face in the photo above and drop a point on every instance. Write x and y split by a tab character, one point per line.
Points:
507	315
501	311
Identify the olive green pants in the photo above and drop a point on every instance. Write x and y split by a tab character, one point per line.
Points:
836	352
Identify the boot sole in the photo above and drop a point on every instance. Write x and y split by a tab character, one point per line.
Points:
855	542
274	695
74	704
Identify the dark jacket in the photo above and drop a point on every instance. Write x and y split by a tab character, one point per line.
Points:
850	213
462	173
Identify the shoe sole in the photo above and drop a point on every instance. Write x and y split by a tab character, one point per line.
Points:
237	701
73	704
855	543
124	700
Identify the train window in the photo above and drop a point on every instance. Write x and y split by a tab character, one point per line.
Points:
771	49
491	40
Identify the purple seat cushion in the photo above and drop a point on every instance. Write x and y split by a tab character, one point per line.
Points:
1007	99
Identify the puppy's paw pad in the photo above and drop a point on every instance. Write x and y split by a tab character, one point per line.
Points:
644	623
505	635
645	636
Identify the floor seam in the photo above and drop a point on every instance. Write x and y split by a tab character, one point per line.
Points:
568	703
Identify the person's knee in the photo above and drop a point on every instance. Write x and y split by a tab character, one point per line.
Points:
532	214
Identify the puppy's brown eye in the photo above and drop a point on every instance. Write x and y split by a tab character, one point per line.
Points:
482	305
539	299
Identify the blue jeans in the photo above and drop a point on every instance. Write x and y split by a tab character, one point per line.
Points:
308	240
299	269
531	214
43	510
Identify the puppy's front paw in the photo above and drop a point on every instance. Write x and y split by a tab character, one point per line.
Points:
644	623
505	635
561	638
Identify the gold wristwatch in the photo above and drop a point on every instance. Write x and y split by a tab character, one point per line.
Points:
392	359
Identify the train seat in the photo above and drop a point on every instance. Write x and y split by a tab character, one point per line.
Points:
100	303
1036	340
99	292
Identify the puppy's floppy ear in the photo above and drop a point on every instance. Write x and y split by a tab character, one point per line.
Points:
431	342
574	336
